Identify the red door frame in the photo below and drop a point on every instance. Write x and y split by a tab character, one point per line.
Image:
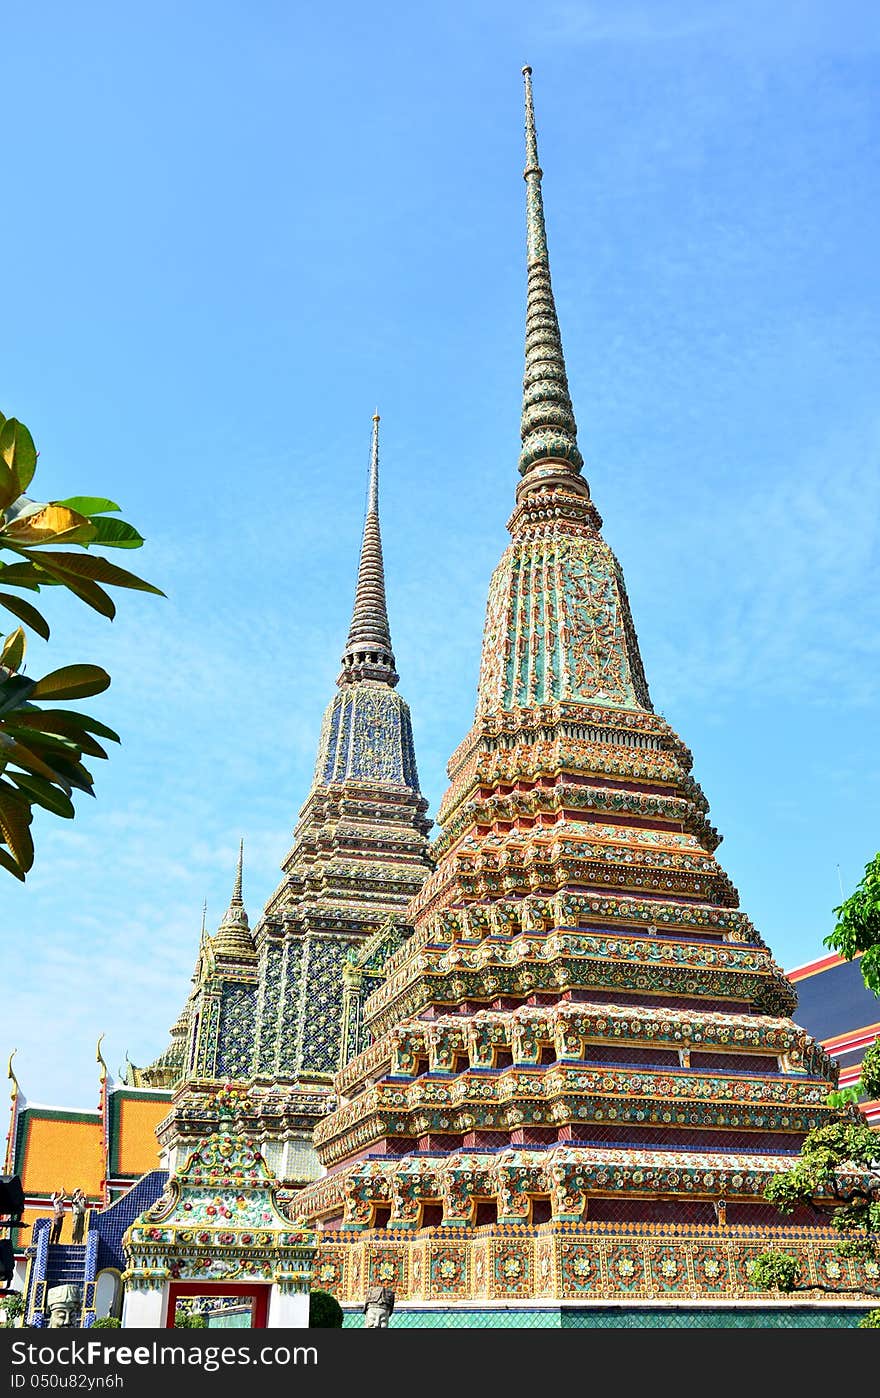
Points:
259	1293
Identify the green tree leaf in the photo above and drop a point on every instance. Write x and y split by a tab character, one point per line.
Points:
95	569
56	723
74	774
15	819
72	682
90	593
69	718
12	650
116	534
36	738
9	490
45	795
14	691
844	1096
14	751
8	863
26	613
41	750
47	525
23	575
18	453
89	505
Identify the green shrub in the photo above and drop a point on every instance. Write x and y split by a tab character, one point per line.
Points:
871	1321
325	1311
13	1305
107	1322
190	1322
774	1271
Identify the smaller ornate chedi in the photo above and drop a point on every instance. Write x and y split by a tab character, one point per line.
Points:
224	988
582	1070
276	1009
360	847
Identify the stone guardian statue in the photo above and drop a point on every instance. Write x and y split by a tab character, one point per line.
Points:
378	1307
65	1306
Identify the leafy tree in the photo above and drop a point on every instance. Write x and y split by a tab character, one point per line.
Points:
838	1176
191	1321
868	1084
857	931
42	748
858	926
13	1307
838	1173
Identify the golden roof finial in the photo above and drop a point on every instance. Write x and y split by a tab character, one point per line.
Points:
10	1073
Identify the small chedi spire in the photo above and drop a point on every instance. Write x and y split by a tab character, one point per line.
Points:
233	936
368	654
549	431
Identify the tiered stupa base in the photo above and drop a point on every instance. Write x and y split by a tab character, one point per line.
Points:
583	1265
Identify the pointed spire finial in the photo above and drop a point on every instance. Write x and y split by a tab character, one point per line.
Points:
373	491
203	945
368	654
550	451
236	888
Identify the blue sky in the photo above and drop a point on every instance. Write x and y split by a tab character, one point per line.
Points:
232	230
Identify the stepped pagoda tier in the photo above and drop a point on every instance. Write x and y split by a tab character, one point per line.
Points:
269	1004
582	1070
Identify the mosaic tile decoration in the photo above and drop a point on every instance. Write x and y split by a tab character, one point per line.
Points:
630	1318
583	1262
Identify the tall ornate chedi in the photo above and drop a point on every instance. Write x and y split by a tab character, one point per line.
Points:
582	1070
275	1009
360	847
